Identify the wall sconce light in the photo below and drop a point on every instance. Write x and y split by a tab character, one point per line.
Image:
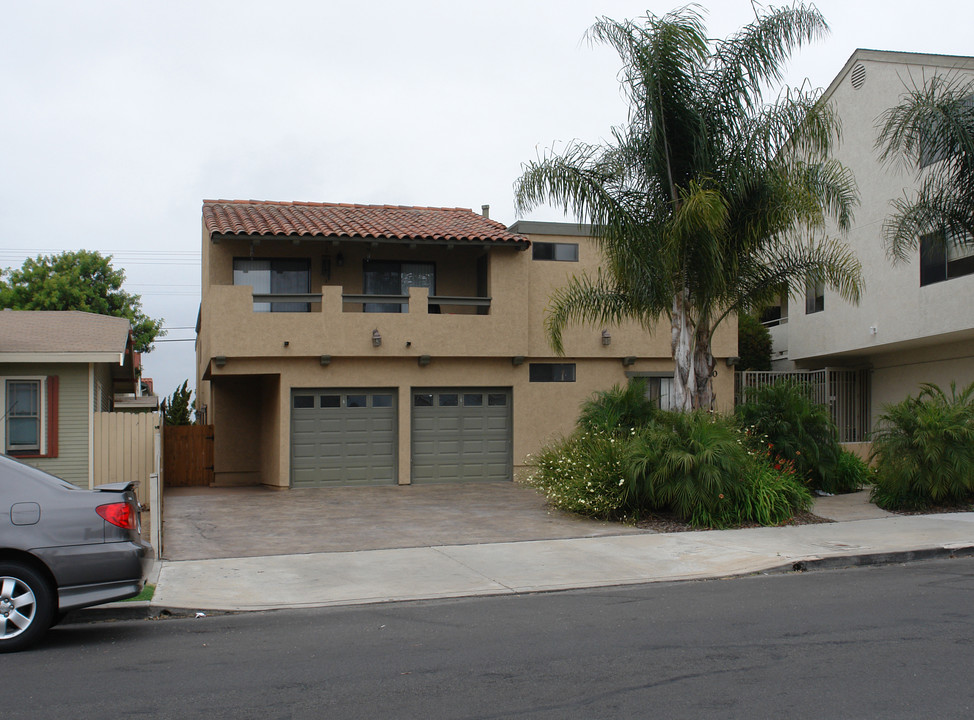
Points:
732	361
872	329
340	260
629	361
517	360
376	338
424	360
606	338
286	343
220	360
325	360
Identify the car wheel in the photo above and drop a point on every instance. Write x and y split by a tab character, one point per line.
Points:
26	606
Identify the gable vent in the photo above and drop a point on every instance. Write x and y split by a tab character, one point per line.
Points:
858	76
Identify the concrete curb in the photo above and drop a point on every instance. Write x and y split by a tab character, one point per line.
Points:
123	611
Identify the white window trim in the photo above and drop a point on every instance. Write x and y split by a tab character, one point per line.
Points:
42	409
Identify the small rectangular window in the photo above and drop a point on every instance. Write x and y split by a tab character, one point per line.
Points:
423	400
304	401
382	401
814	298
356	401
331	401
449	399
562	252
940	260
497	399
552	372
23	413
473	400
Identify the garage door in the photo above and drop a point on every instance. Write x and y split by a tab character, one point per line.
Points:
461	434
343	437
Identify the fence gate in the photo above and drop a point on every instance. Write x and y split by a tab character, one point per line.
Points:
845	392
187	455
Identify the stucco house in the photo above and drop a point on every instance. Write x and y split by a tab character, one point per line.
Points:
57	370
363	344
915	322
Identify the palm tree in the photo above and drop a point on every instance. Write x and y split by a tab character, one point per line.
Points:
932	126
707	200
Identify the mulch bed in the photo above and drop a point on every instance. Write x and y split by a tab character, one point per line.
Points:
665	523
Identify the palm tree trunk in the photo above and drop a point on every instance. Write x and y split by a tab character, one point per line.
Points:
682	341
703	368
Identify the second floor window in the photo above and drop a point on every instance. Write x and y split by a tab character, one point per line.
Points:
564	252
275	276
385	277
941	261
814	298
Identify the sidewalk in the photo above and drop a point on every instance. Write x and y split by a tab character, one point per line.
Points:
863	534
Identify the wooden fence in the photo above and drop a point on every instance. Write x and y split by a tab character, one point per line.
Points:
187	455
123	446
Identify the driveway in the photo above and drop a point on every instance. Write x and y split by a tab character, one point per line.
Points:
203	523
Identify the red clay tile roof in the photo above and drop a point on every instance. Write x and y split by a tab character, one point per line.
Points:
290	219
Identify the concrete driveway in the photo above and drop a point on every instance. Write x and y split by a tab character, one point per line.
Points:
204	523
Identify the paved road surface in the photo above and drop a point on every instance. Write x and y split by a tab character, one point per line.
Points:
883	642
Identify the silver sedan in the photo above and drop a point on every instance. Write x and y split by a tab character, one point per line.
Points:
62	548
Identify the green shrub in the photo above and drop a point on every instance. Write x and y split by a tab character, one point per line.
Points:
583	474
753	344
765	495
618	409
797	430
924	450
685	463
851	473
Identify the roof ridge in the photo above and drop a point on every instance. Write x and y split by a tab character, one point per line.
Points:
309	203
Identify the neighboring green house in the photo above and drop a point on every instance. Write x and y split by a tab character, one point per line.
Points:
57	369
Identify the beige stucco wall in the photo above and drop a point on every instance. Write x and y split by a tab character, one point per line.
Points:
248	399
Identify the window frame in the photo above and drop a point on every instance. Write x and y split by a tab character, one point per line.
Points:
47	416
540	248
558	373
275	306
936	263
388	307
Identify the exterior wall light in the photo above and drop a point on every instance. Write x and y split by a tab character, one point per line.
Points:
732	361
220	360
424	360
606	338
517	360
628	361
325	360
376	338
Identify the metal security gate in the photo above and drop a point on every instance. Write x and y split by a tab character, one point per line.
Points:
461	434
343	437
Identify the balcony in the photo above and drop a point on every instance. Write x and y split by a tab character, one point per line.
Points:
333	322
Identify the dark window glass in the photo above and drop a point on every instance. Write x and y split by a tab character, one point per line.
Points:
304	401
382	401
383	277
473	400
563	252
423	400
23	415
274	276
356	401
552	372
449	399
940	260
330	401
496	399
814	298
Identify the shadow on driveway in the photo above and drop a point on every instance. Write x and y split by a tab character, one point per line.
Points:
202	523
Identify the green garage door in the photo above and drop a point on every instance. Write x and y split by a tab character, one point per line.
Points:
461	434
343	437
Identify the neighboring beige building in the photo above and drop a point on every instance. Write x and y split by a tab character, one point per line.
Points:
913	324
364	344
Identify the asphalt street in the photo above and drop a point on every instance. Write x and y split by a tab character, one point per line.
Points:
886	642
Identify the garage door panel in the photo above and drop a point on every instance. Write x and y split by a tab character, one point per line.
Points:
342	445
462	442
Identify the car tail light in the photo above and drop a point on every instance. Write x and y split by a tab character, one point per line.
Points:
119	514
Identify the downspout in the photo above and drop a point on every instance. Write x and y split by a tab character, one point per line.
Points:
91	426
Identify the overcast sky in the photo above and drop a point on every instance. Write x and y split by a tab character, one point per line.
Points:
119	118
